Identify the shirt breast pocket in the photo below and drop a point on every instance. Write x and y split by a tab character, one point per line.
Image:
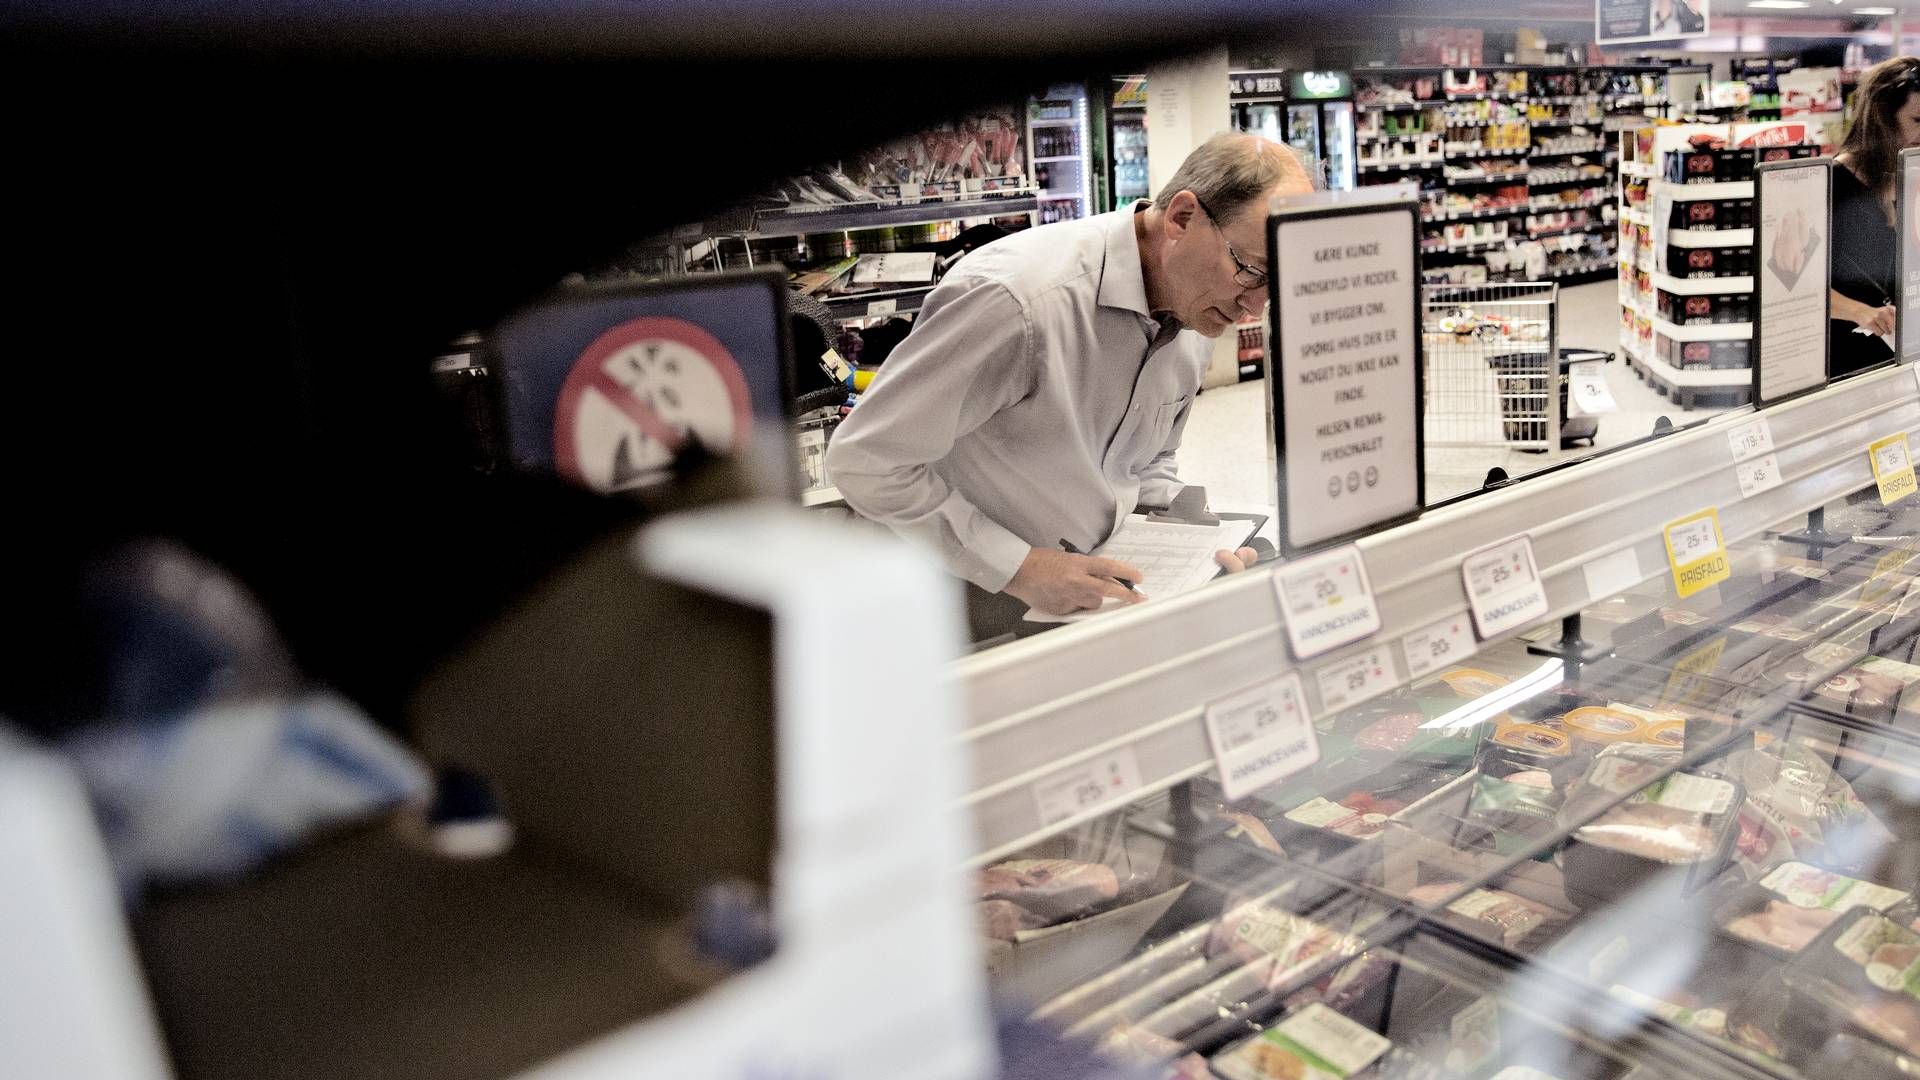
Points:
1146	431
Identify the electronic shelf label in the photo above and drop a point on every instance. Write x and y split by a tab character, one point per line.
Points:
1792	237
1344	389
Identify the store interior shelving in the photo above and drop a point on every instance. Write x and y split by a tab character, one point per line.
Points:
1498	143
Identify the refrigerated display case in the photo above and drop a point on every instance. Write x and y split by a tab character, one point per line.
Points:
1057	137
1312	111
1127	141
1672	829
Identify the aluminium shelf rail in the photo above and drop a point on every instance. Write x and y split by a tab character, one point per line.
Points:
1123	695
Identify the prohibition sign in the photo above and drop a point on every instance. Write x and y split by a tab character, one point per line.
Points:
639	394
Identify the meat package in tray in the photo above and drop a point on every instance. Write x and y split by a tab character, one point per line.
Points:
1789	909
1861	976
1672	833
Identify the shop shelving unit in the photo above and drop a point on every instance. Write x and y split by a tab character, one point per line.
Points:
1566	112
1643	235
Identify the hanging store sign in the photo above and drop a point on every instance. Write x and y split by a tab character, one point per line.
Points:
1695	552
1620	21
1319	85
1344	399
1256	84
1791	200
1907	323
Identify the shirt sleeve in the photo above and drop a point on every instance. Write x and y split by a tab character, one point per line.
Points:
967	358
1159	478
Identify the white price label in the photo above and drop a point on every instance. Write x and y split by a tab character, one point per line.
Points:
882	307
1916	373
1261	735
1503	587
1758	475
1448	641
1751	439
1587	392
1079	788
1327	601
1350	682
1611	575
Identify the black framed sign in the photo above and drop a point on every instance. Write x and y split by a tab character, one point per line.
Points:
1906	333
1793	239
1344	365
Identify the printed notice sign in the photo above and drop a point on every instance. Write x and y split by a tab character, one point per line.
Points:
1261	735
1327	601
1790	328
1503	587
1345	394
1695	553
1892	468
1907	326
1619	21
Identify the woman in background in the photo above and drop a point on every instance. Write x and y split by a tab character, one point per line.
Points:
1886	120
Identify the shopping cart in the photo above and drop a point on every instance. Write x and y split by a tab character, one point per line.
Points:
1492	369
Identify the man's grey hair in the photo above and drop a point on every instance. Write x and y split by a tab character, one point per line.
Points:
1234	169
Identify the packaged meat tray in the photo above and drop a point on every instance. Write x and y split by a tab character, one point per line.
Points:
1315	1043
1672	835
1862	975
1787	910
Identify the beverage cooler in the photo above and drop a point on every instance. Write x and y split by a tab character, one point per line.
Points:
1310	110
1127	141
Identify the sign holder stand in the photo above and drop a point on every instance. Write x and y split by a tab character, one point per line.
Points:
1571	647
1291	262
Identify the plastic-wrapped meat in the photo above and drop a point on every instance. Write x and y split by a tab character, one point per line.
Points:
1133	1045
1893	1021
1054	889
1392	732
1653	832
1002	919
1782	925
1515	917
1256	933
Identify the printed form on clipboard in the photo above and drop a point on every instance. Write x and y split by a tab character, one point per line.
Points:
1175	558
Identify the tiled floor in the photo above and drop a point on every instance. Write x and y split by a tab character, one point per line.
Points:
1225	444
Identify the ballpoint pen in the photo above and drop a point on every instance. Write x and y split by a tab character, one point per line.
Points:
1068	547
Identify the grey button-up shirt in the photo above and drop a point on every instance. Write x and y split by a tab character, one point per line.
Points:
1035	401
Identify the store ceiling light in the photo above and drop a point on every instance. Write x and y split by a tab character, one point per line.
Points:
1777	5
1876	11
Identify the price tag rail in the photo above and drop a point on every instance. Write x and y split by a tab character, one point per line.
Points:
1139	679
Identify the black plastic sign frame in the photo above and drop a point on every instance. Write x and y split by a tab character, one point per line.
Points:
1906	259
1763	259
1315	208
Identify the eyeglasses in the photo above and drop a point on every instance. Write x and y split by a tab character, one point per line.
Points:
1247	277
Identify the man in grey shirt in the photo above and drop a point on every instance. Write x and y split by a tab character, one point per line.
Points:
1042	392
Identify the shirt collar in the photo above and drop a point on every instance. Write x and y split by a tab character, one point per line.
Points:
1123	284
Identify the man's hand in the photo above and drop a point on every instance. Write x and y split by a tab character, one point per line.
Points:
1880	320
1059	583
1235	561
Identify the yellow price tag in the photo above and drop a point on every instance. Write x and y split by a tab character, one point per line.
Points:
1695	552
1886	576
1693	675
1892	468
